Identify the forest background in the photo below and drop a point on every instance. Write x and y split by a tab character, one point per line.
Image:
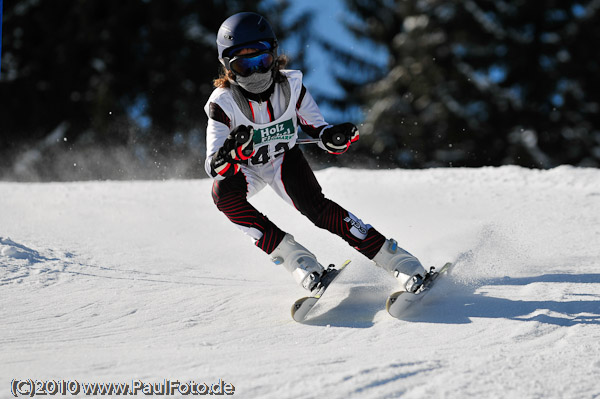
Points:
115	89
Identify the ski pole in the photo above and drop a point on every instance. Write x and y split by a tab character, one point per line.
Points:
307	141
337	138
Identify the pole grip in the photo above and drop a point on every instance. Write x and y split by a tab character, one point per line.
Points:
338	138
242	136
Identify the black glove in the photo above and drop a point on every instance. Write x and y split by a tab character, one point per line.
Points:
237	148
337	138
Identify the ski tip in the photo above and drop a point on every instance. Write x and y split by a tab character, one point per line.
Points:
301	307
297	318
392	298
297	305
300	301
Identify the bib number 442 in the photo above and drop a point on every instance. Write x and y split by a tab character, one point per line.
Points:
262	156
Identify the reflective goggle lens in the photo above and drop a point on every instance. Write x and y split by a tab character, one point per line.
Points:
246	66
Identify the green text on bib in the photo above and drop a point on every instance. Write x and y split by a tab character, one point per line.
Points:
279	131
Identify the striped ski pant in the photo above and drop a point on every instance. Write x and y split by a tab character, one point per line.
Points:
292	179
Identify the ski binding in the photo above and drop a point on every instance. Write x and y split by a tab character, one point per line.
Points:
303	306
400	302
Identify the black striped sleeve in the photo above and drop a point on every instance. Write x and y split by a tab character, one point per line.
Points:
216	113
300	97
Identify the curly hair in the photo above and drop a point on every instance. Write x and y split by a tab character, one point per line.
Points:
225	75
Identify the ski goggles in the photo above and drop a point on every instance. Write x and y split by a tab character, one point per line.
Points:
247	64
261	60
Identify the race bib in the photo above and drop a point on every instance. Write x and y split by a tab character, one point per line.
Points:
282	131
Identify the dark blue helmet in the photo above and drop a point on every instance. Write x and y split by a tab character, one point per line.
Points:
241	30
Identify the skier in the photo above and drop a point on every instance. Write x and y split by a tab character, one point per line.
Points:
253	118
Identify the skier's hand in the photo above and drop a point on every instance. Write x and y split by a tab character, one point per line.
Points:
239	145
337	138
237	148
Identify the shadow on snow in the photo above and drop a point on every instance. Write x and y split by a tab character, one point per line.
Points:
357	310
453	303
457	305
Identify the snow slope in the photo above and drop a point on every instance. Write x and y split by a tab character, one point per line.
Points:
122	281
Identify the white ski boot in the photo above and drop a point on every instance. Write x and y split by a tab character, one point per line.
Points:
299	261
401	264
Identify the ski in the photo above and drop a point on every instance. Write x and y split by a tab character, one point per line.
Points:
303	306
400	302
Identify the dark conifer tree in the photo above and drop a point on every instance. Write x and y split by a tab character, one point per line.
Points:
128	75
479	82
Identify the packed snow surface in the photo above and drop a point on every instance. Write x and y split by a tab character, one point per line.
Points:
147	281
